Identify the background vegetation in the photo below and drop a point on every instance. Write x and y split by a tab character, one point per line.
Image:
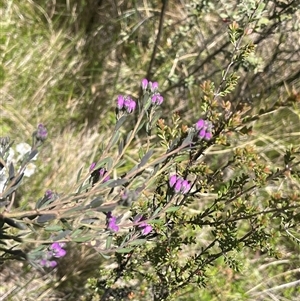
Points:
63	63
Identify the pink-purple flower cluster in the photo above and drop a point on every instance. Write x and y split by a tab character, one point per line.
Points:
41	133
146	228
125	103
138	221
102	172
204	129
56	250
152	87
112	222
179	184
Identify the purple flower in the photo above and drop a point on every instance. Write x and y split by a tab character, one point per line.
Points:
102	172
144	84
48	263
208	136
157	99
112	220
146	228
41	133
129	104
48	194
154	87
185	186
204	127
202	134
172	180
57	250
200	124
178	185
92	166
120	102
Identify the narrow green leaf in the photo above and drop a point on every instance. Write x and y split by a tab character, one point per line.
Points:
32	154
109	163
96	202
108	241
46	218
82	239
157	211
115	138
79	174
146	158
128	136
54	228
141	125
11	171
62	235
137	242
120	122
172	209
121	147
104	255
124	250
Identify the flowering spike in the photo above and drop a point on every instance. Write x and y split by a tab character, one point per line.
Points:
112	226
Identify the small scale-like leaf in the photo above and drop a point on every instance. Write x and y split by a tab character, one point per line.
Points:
124	250
137	242
172	209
